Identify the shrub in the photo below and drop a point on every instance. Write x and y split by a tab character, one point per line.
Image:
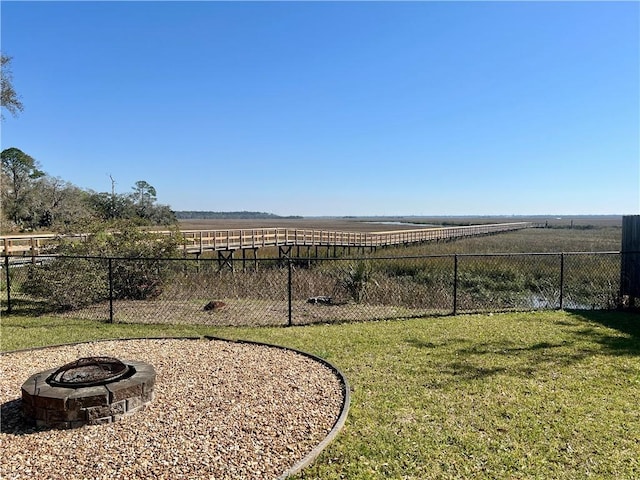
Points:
68	283
138	270
356	279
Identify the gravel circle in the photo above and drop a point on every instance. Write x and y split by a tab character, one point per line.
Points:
221	410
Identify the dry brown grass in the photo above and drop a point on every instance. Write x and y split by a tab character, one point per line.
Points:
374	224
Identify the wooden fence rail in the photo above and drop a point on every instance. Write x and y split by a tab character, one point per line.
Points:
199	241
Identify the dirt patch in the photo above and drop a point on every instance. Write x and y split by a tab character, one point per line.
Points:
240	312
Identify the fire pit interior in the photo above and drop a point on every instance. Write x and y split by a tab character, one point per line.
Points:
87	391
89	372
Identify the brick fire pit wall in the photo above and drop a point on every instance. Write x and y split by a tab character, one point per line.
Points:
63	408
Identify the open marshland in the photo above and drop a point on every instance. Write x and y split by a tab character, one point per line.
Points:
383	223
393	282
562	234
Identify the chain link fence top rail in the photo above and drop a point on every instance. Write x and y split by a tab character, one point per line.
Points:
301	291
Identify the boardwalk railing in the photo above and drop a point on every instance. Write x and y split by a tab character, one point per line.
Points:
198	241
201	240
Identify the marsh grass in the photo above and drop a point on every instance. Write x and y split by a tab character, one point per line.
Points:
493	275
539	240
375	286
519	395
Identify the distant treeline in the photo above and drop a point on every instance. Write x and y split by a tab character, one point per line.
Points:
33	200
204	215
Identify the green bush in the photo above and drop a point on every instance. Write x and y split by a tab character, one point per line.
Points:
356	279
68	283
139	268
138	279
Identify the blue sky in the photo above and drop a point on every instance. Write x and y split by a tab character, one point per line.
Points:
335	108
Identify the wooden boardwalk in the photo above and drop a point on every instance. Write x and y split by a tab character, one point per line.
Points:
227	241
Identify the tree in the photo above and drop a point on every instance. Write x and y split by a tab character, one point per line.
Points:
31	199
110	206
19	172
10	99
60	206
144	196
162	215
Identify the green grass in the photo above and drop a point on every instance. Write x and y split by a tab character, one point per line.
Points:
527	395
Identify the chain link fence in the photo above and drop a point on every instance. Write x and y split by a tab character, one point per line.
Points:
301	291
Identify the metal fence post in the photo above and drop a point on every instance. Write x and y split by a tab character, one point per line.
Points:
110	290
561	300
455	284
6	269
289	291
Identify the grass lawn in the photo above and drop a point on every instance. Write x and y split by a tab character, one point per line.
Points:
520	395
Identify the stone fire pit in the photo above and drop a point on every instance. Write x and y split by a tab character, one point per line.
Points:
88	391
